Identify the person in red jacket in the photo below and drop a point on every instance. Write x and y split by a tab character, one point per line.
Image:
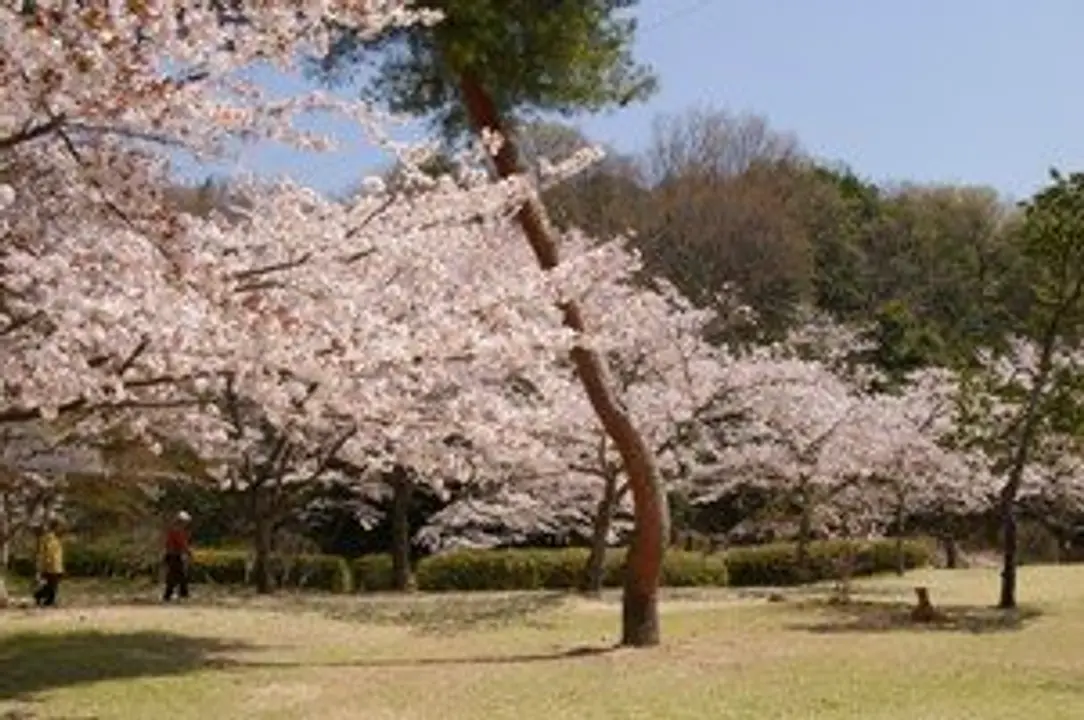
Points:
178	556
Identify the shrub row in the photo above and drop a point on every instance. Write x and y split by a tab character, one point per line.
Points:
528	569
775	564
536	569
234	567
225	567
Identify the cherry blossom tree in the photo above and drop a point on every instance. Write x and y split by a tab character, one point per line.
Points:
92	98
798	439
189	301
922	473
665	373
397	316
844	461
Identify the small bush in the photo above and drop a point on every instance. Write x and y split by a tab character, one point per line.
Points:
108	560
776	564
373	573
235	567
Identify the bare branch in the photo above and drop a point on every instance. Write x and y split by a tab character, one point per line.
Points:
129	361
272	268
31	132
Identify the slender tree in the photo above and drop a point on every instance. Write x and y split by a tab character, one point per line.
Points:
1053	238
481	68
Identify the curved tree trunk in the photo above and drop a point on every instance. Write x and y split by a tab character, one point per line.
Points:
402	489
640	617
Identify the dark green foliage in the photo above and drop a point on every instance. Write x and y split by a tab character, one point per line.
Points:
99	559
223	567
315	572
765	565
774	565
526	569
901	343
1053	243
563	56
373	573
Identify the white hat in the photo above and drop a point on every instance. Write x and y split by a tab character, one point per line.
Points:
183	516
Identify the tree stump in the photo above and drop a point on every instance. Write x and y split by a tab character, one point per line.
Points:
924	612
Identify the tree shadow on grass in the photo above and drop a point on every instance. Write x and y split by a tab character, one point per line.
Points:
445	615
32	663
871	616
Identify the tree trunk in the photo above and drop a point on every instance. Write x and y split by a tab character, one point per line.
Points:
261	568
5	559
1011	489
1030	429
846	568
901	561
1009	543
640	619
591	583
805	533
402	489
952	551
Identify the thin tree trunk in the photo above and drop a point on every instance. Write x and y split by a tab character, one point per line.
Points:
846	567
952	552
1031	417
591	583
640	616
1009	543
805	533
5	560
402	489
901	561
261	568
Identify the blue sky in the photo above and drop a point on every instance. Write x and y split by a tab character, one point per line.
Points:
973	91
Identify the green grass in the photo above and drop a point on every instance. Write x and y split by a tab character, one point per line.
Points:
524	656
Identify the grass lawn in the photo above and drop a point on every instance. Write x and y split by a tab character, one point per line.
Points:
526	656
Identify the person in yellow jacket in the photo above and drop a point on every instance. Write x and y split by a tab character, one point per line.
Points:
50	564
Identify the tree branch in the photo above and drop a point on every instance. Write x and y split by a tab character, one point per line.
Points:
31	132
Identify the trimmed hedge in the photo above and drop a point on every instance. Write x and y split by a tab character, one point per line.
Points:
96	561
526	569
775	564
373	573
234	567
532	569
547	569
226	567
764	565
